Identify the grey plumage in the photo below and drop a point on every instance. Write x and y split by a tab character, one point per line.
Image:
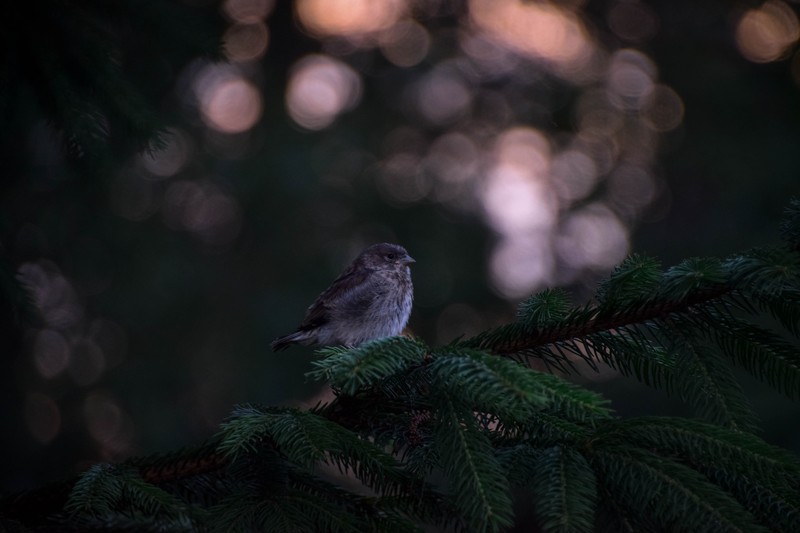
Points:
371	299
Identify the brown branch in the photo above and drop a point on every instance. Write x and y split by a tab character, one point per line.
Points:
182	468
506	346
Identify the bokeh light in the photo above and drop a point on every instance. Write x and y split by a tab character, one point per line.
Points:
402	180
454	161
442	96
171	158
53	294
574	175
516	196
319	90
521	264
247	11
592	238
349	18
766	33
246	42
229	102
538	29
406	43
664	109
630	79
202	209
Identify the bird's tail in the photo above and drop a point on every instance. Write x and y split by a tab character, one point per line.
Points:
298	337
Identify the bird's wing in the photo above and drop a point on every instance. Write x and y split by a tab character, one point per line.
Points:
350	290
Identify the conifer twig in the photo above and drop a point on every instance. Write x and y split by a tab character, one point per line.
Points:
497	341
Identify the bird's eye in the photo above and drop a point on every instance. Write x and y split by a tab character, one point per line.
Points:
390	257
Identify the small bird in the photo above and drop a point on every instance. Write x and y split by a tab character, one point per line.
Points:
371	299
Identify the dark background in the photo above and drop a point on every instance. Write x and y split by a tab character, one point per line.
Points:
509	148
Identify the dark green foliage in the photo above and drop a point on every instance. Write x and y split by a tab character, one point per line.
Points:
692	276
708	384
97	492
665	491
636	279
478	486
116	496
450	436
564	490
350	370
480	381
545	308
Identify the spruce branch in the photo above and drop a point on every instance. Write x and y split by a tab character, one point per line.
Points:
585	321
476	480
564	491
405	414
676	496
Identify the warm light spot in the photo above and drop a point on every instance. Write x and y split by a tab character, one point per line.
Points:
765	34
348	17
592	238
514	202
229	103
489	55
405	44
170	159
522	264
320	89
42	417
526	149
664	109
248	11
50	353
246	42
517	196
538	29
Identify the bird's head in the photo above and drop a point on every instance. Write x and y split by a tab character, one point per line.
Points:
385	256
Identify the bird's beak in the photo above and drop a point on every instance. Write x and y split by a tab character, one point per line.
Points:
407	260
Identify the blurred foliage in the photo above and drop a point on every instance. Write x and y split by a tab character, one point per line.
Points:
160	277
